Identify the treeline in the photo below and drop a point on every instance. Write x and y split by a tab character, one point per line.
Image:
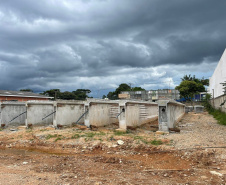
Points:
79	94
122	87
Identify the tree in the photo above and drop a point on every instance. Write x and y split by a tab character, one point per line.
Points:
190	78
137	89
81	94
122	87
112	96
188	89
67	95
52	93
26	90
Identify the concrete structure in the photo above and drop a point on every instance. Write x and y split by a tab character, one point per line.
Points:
101	113
68	113
21	96
198	108
134	114
189	109
170	113
219	103
40	113
151	95
218	77
12	113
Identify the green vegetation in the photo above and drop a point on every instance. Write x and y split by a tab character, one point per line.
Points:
191	85
76	136
122	87
145	141
26	90
79	94
49	136
120	133
58	138
42	130
138	137
217	114
87	135
156	142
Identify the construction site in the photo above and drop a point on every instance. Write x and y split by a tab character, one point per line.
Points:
110	142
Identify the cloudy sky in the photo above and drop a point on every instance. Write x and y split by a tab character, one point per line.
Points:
98	44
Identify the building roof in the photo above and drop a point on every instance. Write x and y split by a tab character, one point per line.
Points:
22	94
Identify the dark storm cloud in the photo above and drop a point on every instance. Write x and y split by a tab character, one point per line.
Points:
53	44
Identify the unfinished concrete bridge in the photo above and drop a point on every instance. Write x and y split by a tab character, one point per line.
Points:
97	113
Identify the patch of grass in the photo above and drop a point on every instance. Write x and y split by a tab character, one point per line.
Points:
75	136
29	130
58	138
1	129
42	130
156	142
87	139
90	134
217	114
49	136
101	134
120	133
145	141
138	137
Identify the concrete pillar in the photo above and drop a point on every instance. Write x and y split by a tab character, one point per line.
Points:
55	114
122	116
86	117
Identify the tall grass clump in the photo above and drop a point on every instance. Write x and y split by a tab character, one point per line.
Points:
217	113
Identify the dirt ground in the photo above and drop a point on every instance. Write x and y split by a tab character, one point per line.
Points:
43	155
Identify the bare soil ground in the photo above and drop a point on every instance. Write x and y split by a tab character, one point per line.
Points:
42	155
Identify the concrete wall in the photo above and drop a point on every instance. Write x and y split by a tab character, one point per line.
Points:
137	113
170	112
140	113
218	77
68	113
13	113
101	113
219	103
36	111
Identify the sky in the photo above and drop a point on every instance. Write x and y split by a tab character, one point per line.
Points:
99	44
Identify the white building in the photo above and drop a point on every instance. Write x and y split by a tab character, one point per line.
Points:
218	77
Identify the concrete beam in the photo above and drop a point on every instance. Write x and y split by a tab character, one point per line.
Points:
101	113
68	113
40	113
12	113
170	112
136	113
